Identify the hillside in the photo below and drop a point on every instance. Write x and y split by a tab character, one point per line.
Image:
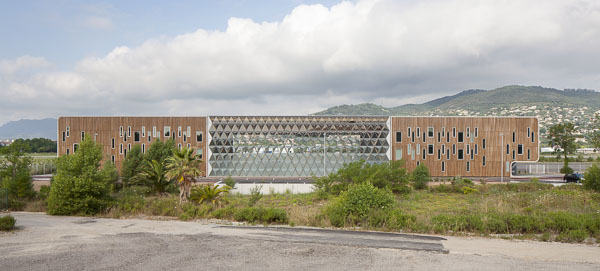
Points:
25	128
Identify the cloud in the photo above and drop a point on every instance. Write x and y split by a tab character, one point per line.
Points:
366	51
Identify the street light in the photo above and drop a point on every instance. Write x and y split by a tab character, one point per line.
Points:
501	158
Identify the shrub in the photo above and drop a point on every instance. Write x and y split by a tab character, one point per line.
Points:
128	201
80	186
209	193
261	214
44	192
255	195
224	213
164	206
420	177
7	223
229	182
353	206
592	178
192	211
132	165
572	236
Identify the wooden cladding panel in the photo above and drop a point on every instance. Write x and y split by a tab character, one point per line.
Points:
488	128
104	129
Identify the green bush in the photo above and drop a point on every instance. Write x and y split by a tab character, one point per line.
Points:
354	206
224	213
261	215
420	177
128	201
255	195
80	186
191	211
7	223
572	236
165	206
229	182
44	192
592	178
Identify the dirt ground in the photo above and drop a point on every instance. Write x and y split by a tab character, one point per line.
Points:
77	243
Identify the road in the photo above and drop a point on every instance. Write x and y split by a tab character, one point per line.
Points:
78	243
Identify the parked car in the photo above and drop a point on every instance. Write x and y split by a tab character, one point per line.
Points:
573	177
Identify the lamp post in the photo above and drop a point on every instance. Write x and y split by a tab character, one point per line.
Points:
324	135
501	158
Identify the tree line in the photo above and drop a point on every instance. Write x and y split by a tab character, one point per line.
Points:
35	145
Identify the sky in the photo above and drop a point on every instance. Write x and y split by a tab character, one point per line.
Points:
282	57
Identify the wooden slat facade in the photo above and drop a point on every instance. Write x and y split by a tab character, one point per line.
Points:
105	129
525	130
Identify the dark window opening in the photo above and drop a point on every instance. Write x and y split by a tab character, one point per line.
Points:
439	154
423	136
423	154
430	149
460	154
507	149
398	136
75	147
82	137
483	144
448	137
453	149
460	137
136	136
64	135
430	131
468	166
439	137
112	144
413	136
443	166
528	154
520	149
483	161
514	137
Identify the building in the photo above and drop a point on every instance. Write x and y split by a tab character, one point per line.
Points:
304	146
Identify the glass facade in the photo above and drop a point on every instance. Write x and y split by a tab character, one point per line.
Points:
293	145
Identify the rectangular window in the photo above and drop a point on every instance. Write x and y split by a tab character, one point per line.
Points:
409	131
453	149
532	137
121	148
460	137
68	131
149	138
528	154
507	166
179	146
125	138
448	137
199	136
430	131
443	149
468	166
153	131
64	135
423	137
472	156
408	151
443	166
143	131
125	153
82	137
514	137
418	131
413	137
520	149
129	146
447	155
476	149
430	150
112	144
461	154
67	151
120	131
112	158
418	149
398	154
507	149
514	157
424	154
179	131
439	137
483	144
75	147
184	137
468	131
167	131
189	131
189	146
468	148
528	132
476	132
143	148
439	154
136	136
454	132
129	131
483	160
443	131
418	163
398	136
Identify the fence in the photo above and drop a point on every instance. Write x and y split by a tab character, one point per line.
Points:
548	168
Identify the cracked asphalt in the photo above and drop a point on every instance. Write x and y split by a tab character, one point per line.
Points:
79	243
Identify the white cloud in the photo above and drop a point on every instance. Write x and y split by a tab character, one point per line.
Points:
316	57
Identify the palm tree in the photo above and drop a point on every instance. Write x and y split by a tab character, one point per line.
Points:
153	175
183	166
209	193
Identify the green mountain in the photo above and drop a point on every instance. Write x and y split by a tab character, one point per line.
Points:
489	102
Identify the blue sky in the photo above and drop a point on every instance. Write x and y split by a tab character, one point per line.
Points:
62	58
65	31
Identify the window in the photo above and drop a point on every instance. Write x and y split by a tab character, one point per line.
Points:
121	148
439	137
120	131
413	137
532	137
453	149
143	131
447	137
179	131
423	137
514	137
82	137
418	131
129	146
409	131
476	149
513	156
447	155
472	156
483	144
398	154
149	138
418	163
408	151
125	138
184	137
430	150
129	131
424	154
68	131
75	147
112	144
443	131
443	149
153	131
439	154
507	166
468	166
143	148
64	136
430	131
483	160
460	137
418	149
460	154
67	151
112	158
179	146
189	131
520	149
136	136
468	131
199	136
528	154
454	132
476	132
507	149
125	153
443	166
398	136
167	131
468	148
528	132
189	146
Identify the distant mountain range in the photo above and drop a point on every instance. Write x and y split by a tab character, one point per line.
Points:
26	128
479	101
